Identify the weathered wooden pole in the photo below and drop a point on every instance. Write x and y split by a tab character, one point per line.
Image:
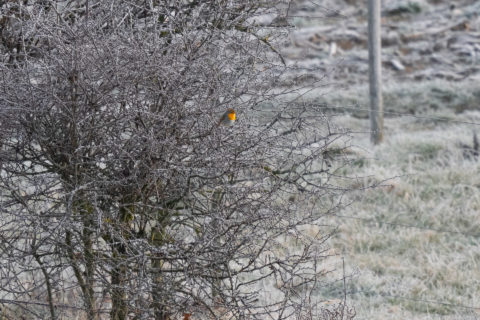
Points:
375	71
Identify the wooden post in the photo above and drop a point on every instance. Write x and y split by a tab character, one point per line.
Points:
375	71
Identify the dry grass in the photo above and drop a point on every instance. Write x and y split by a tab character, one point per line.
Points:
415	238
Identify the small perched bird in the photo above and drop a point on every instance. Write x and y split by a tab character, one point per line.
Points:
228	118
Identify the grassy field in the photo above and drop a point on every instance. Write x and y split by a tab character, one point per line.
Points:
411	245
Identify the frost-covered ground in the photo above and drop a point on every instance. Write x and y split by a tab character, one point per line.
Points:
412	245
416	238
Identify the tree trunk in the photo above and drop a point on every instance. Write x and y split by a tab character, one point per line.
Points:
85	285
159	303
119	297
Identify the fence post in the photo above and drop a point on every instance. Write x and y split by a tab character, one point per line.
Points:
375	71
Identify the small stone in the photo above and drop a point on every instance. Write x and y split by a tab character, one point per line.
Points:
397	65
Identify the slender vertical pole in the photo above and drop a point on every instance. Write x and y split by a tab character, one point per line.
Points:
375	71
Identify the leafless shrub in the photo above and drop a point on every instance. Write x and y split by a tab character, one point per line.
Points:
117	184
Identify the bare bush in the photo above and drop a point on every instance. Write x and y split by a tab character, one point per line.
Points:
119	187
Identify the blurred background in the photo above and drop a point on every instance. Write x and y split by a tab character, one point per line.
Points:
411	245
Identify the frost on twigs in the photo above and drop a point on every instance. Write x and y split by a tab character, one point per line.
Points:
121	197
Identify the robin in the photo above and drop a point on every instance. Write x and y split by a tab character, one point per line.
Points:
228	118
